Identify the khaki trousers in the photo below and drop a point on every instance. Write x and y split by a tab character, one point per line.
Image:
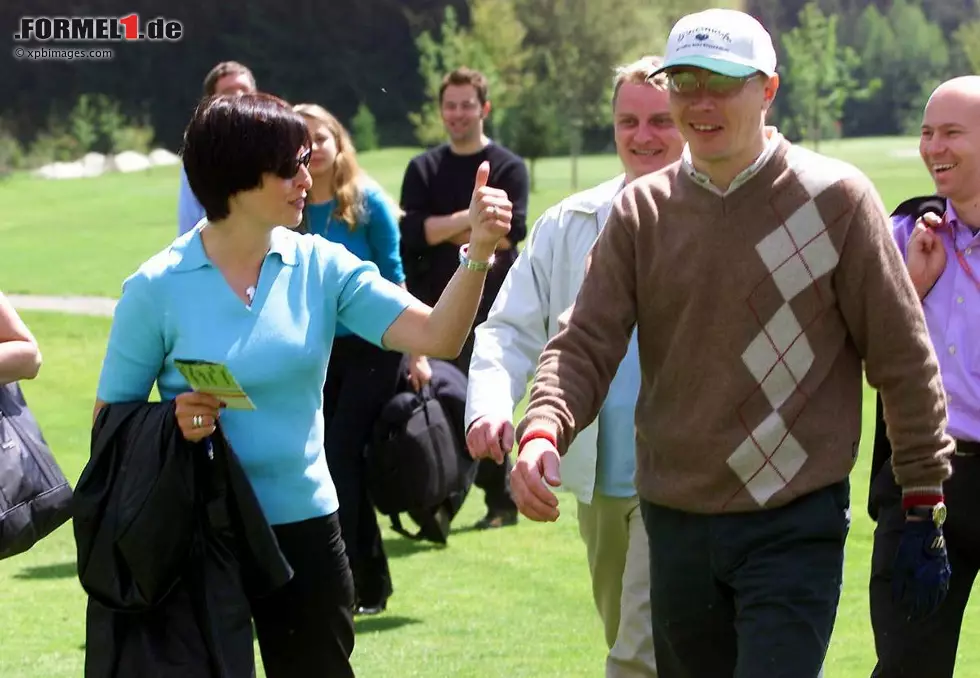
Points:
619	561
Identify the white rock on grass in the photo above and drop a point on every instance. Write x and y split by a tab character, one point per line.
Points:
161	156
94	164
62	170
128	161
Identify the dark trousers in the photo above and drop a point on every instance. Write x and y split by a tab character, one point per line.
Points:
491	477
749	594
306	628
926	648
361	379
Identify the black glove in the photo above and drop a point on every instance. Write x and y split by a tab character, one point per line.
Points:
920	577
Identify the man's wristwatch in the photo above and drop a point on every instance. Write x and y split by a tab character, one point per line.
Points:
470	265
937	513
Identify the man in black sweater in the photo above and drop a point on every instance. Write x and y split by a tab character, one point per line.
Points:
435	195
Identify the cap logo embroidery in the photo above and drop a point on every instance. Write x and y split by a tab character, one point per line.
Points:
704	33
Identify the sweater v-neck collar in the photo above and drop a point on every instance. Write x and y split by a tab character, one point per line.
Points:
773	141
755	190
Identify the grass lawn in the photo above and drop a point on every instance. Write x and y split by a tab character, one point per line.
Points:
513	603
84	236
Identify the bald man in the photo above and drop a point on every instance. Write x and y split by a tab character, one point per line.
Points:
940	240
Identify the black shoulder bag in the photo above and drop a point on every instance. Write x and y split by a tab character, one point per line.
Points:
35	496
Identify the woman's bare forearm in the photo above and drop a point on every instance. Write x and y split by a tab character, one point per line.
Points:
19	359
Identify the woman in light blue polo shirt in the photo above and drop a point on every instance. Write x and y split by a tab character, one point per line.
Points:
266	302
344	206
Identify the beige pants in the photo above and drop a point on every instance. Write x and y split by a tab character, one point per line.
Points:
619	560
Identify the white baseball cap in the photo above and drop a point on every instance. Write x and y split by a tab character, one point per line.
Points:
721	40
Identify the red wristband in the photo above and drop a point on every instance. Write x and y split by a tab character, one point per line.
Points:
535	434
910	500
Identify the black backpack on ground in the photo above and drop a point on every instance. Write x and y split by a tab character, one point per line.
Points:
417	457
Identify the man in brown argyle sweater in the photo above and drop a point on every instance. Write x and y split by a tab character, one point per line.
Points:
760	278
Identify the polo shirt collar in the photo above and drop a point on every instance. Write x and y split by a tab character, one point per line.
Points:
188	250
284	244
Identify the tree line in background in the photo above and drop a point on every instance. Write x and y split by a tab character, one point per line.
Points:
849	67
861	69
550	65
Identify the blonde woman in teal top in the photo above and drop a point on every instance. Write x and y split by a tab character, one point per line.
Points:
266	301
344	204
345	207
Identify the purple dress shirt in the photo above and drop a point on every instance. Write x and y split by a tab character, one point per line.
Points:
952	310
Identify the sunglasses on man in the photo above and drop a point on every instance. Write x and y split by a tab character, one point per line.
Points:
689	83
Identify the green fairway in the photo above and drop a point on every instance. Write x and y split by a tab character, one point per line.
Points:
514	602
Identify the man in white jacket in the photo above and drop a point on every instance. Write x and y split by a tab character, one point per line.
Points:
599	467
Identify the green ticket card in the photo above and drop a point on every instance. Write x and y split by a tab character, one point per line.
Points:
215	379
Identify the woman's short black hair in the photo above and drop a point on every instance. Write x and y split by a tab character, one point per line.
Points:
233	140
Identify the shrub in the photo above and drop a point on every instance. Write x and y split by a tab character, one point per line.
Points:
364	129
52	145
132	137
11	153
98	125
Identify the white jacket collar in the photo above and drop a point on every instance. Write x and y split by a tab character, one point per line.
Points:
596	198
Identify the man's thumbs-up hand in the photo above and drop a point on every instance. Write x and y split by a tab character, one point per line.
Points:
490	215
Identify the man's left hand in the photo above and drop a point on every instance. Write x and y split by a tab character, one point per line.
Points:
920	577
925	255
537	470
